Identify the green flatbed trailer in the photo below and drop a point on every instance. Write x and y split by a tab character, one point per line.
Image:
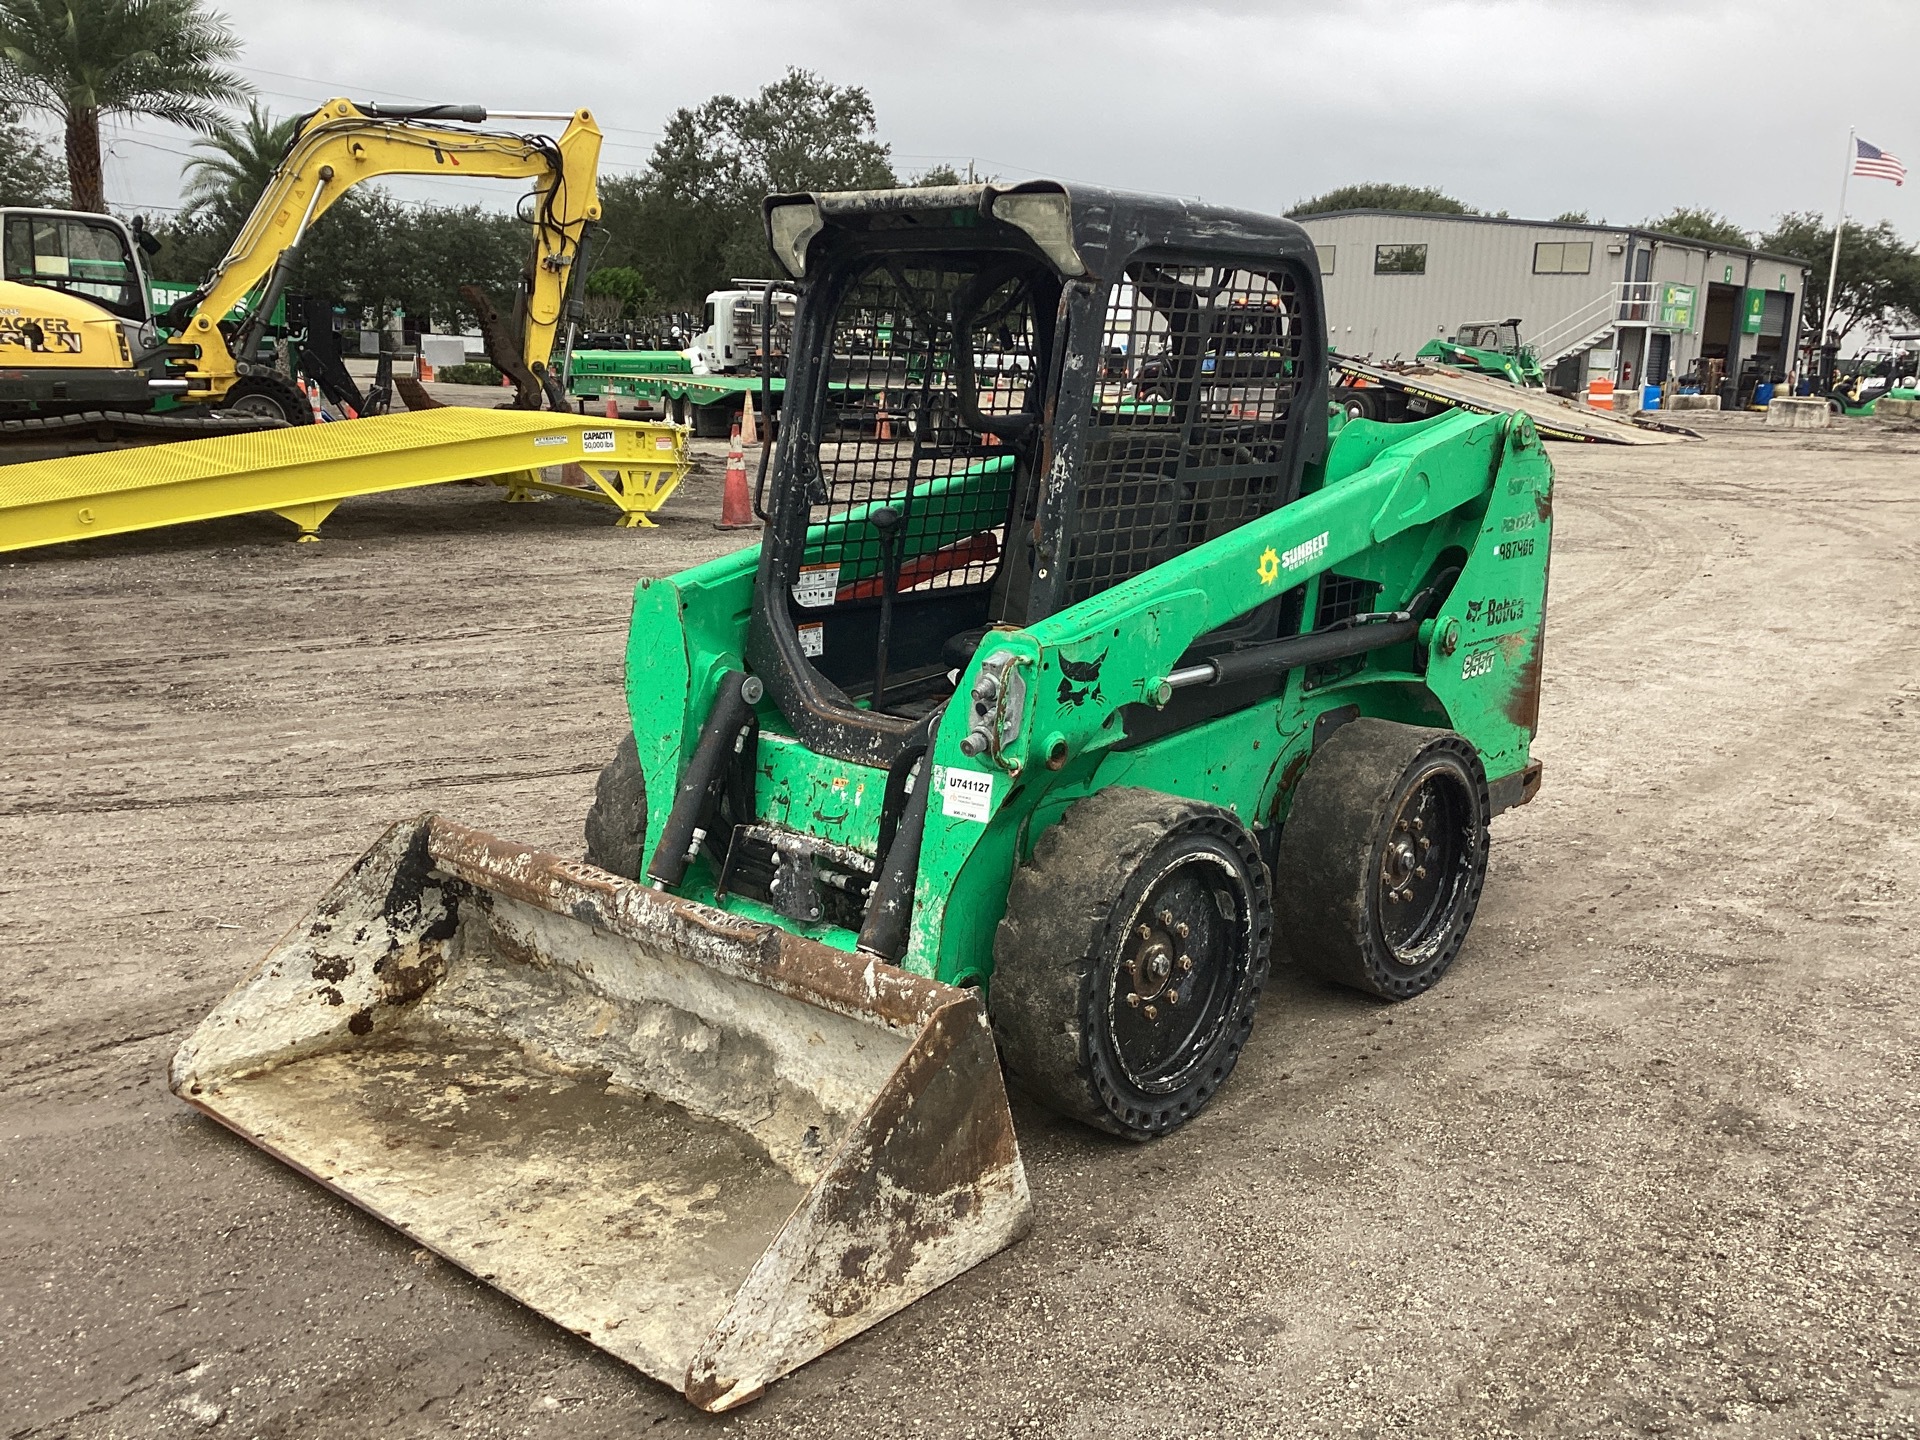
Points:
711	404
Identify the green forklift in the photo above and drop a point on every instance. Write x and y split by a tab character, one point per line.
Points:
1022	745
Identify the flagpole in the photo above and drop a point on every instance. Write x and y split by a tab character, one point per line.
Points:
1839	225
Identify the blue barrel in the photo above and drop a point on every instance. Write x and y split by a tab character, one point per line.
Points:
1650	397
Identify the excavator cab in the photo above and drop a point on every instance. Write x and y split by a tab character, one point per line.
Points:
91	256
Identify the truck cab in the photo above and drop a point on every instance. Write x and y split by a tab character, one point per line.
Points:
731	340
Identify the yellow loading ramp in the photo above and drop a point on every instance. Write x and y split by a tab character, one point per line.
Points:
301	473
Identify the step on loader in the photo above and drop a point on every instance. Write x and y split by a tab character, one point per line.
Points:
1048	713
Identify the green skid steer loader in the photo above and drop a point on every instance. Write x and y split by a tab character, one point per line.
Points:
1042	714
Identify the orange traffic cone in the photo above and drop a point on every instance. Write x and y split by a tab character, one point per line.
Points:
613	408
882	423
313	401
749	432
423	369
736	507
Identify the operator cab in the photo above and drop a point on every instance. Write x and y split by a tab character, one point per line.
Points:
982	428
1503	335
89	256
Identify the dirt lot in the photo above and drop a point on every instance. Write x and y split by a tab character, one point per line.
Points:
1643	1165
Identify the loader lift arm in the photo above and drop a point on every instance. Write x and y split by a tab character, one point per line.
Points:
342	145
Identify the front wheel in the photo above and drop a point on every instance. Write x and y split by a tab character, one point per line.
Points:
617	823
1383	856
1131	958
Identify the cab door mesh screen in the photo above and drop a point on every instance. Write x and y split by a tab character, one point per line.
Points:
912	393
1199	368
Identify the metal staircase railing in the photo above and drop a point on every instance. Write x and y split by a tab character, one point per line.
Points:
1625	302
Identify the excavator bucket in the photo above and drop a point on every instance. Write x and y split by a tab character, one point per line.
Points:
713	1148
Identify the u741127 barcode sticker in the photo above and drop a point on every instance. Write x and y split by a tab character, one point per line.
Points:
967	795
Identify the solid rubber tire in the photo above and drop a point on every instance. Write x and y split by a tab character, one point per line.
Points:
287	397
1054	952
1327	865
617	820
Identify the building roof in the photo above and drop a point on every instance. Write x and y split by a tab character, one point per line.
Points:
1662	236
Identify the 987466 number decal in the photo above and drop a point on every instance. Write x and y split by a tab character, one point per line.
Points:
1513	549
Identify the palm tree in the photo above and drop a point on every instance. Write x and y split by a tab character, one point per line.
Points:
81	59
235	161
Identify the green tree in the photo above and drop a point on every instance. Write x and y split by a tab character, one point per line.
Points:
82	59
1572	217
1707	225
1379	195
234	162
624	287
1879	273
691	220
30	173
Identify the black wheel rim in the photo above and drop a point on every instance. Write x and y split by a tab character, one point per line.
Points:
261	404
1426	864
1178	969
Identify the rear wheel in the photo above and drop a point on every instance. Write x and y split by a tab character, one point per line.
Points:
272	397
1383	857
1130	960
617	822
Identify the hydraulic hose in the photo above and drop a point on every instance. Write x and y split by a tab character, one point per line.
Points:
681	839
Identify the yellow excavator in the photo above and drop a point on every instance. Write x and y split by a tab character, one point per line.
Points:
86	365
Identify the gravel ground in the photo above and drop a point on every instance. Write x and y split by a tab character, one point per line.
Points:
1643	1165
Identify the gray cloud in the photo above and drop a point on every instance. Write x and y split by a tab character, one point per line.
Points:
1624	108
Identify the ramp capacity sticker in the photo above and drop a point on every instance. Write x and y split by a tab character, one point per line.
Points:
967	795
597	442
813	639
816	586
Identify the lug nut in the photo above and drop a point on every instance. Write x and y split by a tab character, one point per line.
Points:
1166	918
1151	1013
1146	932
1172	997
1419	872
1181	929
1133	1000
1418	826
1186	963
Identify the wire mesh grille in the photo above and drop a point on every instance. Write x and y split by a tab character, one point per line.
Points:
1342	597
924	357
1199	368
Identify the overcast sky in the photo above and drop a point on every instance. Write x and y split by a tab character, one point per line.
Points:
1622	108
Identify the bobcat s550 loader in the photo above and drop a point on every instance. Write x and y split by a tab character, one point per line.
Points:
1044	711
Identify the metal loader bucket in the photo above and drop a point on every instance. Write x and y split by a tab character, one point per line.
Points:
712	1148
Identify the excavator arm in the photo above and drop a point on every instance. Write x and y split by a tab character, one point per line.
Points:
342	145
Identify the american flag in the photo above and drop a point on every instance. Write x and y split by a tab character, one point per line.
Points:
1872	161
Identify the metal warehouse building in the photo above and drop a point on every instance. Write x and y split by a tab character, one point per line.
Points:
1634	306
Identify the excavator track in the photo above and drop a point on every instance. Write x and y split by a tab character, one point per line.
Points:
94	432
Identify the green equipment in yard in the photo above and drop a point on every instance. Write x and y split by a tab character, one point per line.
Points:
1023	743
1488	347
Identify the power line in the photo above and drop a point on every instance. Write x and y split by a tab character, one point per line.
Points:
334	87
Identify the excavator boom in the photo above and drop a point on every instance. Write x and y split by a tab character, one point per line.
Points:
342	145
